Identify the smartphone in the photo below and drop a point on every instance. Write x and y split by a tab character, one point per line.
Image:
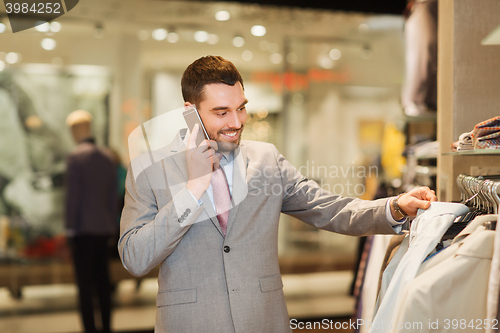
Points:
192	117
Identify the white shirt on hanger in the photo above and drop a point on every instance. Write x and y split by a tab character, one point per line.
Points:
425	233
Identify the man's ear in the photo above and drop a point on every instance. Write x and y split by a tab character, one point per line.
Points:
187	104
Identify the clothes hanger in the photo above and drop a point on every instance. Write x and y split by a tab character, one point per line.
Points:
493	191
481	195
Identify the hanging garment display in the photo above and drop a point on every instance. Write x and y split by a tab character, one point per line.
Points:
492	308
446	279
370	285
425	233
450	296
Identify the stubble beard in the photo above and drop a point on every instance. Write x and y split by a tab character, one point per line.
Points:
225	145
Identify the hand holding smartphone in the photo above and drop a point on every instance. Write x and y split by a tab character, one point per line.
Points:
192	117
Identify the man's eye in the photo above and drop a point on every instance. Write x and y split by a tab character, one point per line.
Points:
222	114
242	108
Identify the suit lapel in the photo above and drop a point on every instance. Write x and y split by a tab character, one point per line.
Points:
240	188
209	209
179	157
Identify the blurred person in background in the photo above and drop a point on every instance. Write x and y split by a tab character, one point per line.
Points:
91	215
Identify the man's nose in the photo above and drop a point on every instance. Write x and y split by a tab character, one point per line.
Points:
234	121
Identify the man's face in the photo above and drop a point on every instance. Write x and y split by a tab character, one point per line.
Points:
223	112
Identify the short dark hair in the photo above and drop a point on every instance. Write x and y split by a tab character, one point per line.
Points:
207	70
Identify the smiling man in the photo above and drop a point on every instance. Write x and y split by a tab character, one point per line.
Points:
209	216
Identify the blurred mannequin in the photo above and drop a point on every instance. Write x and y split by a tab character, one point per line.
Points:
419	94
91	194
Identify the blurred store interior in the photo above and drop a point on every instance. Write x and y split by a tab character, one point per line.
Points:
324	85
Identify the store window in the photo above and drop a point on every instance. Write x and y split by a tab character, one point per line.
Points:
35	101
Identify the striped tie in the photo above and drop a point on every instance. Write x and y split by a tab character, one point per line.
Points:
222	198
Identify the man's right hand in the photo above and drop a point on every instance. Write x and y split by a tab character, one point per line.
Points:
201	161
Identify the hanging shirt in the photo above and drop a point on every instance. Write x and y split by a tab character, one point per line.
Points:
493	308
450	296
425	233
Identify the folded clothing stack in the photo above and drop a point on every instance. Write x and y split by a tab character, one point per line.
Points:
486	135
464	142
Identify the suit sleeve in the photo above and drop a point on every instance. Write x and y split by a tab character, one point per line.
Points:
307	201
149	233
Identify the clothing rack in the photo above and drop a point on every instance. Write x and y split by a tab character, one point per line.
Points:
481	192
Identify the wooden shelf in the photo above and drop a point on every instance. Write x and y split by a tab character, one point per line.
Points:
474	152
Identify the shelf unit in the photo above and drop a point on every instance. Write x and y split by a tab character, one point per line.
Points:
467	86
475	152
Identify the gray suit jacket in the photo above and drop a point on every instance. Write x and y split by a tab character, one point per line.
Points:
209	282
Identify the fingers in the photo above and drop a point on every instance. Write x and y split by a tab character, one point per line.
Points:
215	162
423	193
209	144
431	196
410	205
424	204
208	148
427	194
210	154
421	198
192	138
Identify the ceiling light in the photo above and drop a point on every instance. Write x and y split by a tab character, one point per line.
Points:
276	58
55	27
247	55
222	15
238	41
12	58
213	39
159	34
326	62
2	28
173	37
258	30
363	27
262	112
143	35
2	65
42	26
201	36
335	54
48	44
